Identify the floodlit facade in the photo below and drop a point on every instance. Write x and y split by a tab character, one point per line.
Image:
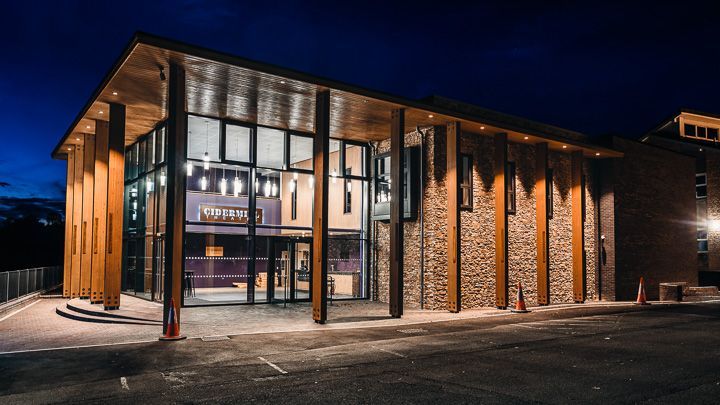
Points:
207	179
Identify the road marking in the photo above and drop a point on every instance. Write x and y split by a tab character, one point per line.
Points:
528	326
18	311
124	384
79	347
390	352
273	366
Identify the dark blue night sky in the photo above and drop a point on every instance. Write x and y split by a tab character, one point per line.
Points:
612	68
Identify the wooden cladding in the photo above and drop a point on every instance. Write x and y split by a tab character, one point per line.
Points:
453	224
69	233
97	279
501	222
176	181
397	154
321	151
77	217
87	215
116	176
578	242
542	216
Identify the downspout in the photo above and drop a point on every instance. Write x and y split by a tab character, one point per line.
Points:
422	217
373	228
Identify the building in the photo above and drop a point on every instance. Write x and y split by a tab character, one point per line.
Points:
695	134
204	178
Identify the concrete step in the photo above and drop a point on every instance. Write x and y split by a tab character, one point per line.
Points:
698	298
70	312
86	308
704	291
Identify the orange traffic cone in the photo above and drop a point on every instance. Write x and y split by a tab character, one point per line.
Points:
173	328
641	294
520	302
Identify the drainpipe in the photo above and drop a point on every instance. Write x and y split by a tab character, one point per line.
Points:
373	228
422	217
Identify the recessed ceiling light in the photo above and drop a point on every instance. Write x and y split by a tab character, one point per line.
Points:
564	146
69	148
87	126
700	149
77	139
101	112
482	128
597	153
282	81
526	138
430	115
114	93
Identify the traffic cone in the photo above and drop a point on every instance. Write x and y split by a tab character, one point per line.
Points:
641	294
173	328
520	302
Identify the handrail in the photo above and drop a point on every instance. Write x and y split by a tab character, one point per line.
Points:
15	284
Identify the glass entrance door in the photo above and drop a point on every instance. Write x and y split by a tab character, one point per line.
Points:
290	275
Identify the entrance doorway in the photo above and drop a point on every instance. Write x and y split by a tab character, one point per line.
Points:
290	275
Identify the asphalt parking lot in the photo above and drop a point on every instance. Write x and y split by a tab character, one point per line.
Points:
589	355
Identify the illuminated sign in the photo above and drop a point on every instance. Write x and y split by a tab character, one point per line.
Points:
228	214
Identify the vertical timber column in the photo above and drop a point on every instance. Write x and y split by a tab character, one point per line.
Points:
453	217
115	190
501	222
578	241
97	279
77	222
87	216
541	215
175	200
67	264
397	208
321	149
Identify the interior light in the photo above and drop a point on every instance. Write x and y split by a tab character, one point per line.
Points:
87	126
291	186
311	181
163	179
100	112
349	186
114	93
77	139
237	186
526	138
69	148
150	186
267	188
203	183
597	153
334	176
295	176
482	128
206	161
564	146
189	168
257	185
274	190
430	115
282	81
223	186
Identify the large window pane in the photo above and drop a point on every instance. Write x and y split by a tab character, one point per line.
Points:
203	136
270	148
301	152
334	168
355	160
237	143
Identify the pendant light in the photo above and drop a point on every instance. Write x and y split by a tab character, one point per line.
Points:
206	156
189	168
223	184
267	188
203	183
274	190
291	185
237	186
349	186
334	176
311	181
257	186
163	179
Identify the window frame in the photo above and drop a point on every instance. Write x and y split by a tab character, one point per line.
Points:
347	194
466	181
511	190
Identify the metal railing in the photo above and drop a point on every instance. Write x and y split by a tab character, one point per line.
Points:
16	284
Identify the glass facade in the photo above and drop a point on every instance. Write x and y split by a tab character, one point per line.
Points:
249	201
144	216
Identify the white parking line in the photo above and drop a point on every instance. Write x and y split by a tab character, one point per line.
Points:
390	352
19	310
273	366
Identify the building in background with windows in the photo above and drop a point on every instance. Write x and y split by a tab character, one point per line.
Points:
226	181
695	133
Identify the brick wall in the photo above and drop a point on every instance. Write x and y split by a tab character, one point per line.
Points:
655	211
712	168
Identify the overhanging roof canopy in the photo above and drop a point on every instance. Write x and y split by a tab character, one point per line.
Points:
225	86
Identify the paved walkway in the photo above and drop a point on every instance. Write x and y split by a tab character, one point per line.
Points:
38	327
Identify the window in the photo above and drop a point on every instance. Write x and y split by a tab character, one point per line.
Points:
466	191
301	152
712	133
160	145
293	199
689	130
702	231
549	193
270	148
701	132
237	143
382	179
203	138
347	205
510	185
701	185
